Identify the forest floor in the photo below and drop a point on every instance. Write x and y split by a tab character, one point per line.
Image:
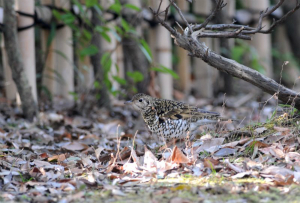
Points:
112	157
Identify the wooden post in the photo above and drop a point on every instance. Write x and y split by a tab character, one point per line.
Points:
204	74
184	66
262	42
26	43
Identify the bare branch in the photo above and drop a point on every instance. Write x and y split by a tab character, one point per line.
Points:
163	22
267	12
225	34
218	7
223	27
283	18
200	50
181	15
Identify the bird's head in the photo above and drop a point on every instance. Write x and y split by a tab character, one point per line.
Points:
140	102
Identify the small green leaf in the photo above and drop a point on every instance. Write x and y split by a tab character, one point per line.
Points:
125	25
116	7
52	34
89	51
121	81
164	69
133	7
136	76
146	50
106	62
97	85
105	36
87	34
91	3
68	18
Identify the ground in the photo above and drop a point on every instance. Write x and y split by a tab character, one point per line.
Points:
112	157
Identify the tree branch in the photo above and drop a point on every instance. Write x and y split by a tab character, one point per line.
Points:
189	41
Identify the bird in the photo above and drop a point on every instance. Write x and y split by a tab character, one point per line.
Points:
172	119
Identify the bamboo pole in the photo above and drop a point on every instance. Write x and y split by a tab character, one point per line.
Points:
110	47
164	57
262	42
58	74
27	43
86	70
204	74
64	64
184	66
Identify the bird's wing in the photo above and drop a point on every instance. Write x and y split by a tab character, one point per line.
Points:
177	110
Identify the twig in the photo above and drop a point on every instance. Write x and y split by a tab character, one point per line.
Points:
181	15
218	7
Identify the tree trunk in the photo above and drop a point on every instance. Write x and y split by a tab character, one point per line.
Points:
104	100
15	61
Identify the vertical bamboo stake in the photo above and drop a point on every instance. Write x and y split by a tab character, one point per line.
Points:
120	62
110	47
58	66
49	77
184	66
64	64
262	42
164	57
26	43
87	73
204	74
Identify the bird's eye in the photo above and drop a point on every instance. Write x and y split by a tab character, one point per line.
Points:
140	100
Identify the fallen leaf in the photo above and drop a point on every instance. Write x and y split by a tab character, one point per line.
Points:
210	163
260	130
281	129
58	158
178	157
75	146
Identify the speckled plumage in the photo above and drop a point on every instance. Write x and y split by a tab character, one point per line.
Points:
171	119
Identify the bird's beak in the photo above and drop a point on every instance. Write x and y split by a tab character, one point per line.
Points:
128	102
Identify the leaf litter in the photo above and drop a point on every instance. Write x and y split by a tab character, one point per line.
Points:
72	158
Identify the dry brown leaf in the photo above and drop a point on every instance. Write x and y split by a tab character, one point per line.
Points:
278	153
58	158
281	129
179	200
210	163
282	181
44	155
178	157
149	159
258	144
260	130
210	144
75	146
